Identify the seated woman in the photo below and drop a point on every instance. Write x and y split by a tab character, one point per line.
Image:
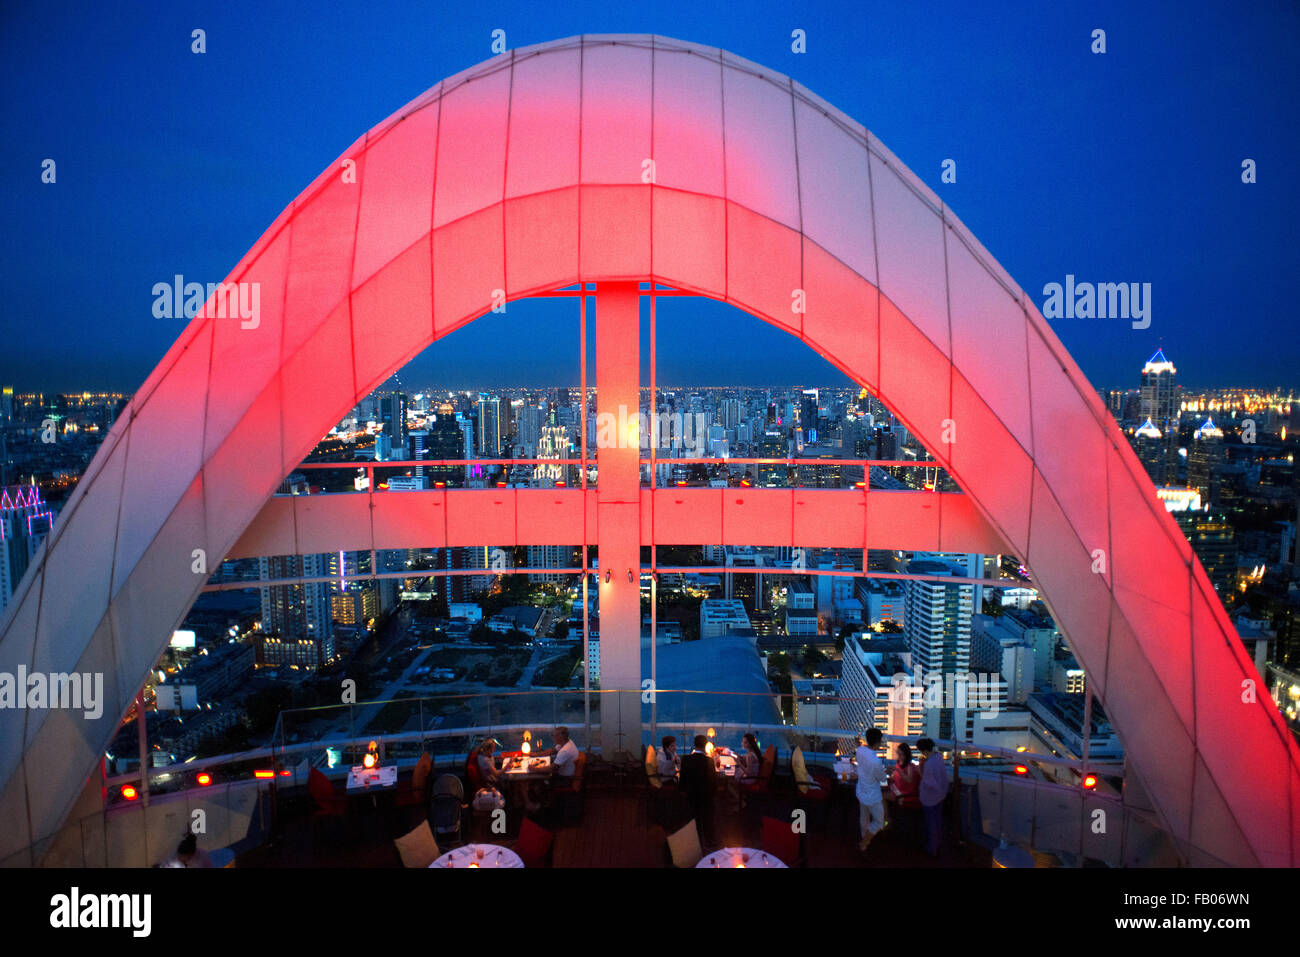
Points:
670	765
751	759
489	776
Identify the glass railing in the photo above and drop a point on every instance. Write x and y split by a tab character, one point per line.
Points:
1047	803
670	468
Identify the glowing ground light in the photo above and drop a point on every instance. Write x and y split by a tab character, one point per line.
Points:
129	792
1090	781
204	778
1021	769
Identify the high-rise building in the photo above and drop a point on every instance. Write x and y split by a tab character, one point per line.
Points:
772	445
390	444
300	612
878	690
466	427
444	439
729	413
1214	541
1204	459
489	426
550	556
936	627
808	414
7	405
553	444
1149	444
25	520
1159	406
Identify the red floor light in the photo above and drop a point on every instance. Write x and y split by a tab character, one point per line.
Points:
263	775
129	792
1090	781
204	778
1021	769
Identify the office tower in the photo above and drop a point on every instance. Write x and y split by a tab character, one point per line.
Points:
729	412
25	520
936	628
808	414
300	612
489	426
886	444
772	445
551	556
390	444
1204	458
878	690
531	419
7	405
1152	451
444	439
1158	405
554	444
1213	540
466	426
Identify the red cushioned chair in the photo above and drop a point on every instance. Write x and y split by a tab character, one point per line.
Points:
761	787
327	803
416	792
780	839
534	844
472	772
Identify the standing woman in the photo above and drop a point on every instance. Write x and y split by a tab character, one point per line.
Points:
905	784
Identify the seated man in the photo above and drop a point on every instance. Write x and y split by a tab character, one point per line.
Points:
564	755
699	786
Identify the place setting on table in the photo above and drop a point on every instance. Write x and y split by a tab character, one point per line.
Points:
479	856
369	777
740	857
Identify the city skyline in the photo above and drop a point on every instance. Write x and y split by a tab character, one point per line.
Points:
136	208
337	488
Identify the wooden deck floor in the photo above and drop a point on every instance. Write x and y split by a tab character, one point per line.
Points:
614	832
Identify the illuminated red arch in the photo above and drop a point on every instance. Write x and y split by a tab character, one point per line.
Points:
525	174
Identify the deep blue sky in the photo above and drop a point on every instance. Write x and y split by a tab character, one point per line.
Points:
1119	167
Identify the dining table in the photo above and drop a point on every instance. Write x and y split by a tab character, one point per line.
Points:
740	857
479	855
516	768
362	778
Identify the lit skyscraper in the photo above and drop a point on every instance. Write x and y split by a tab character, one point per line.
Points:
1204	458
936	627
391	441
1158	404
489	426
298	612
25	520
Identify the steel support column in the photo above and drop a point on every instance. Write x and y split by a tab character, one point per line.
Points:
618	511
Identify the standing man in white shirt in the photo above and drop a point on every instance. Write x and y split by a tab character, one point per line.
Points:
871	776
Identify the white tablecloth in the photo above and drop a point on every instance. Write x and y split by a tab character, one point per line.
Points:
492	856
733	856
384	777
